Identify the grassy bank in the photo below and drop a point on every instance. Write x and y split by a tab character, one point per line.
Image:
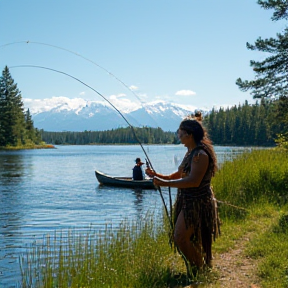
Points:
139	255
28	146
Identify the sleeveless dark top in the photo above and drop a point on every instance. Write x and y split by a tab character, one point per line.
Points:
204	187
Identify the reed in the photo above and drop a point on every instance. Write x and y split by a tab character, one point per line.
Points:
135	254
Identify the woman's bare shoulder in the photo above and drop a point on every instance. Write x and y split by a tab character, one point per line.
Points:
199	154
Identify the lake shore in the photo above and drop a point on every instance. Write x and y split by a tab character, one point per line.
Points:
28	147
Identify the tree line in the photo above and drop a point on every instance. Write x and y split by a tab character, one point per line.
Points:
16	125
145	135
242	125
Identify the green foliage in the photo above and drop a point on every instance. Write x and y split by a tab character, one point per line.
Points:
270	248
282	224
271	74
257	182
271	79
280	7
243	125
145	135
16	126
261	175
282	140
134	255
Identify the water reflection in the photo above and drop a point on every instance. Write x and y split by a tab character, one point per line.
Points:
11	168
138	193
12	171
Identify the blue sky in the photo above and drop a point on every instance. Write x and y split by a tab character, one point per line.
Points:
186	51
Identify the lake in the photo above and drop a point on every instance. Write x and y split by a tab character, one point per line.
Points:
48	190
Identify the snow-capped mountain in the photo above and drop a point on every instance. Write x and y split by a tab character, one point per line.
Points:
64	114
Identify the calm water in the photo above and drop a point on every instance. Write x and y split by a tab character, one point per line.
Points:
43	191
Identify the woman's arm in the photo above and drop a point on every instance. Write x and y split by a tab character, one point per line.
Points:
152	173
199	167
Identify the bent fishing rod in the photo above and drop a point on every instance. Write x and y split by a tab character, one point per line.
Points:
132	128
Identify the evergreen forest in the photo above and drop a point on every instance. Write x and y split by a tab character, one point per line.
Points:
145	135
242	125
16	125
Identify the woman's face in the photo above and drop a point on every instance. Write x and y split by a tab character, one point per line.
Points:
182	134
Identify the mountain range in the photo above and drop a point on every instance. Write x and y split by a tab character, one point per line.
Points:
59	114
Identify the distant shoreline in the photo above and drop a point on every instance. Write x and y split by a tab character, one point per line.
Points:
43	146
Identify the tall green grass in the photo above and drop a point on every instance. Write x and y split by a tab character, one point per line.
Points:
252	178
270	249
257	182
138	254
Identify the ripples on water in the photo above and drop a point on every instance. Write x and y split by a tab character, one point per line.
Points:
45	191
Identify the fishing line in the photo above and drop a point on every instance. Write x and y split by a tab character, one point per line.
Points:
81	56
132	128
231	205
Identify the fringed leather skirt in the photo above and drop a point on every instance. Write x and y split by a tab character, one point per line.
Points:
200	211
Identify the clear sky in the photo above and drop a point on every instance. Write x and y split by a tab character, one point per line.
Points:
184	51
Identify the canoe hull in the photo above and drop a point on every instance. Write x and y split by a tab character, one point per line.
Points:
127	182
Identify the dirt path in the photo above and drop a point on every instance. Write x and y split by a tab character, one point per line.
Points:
234	269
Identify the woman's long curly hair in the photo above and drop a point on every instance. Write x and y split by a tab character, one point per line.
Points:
193	125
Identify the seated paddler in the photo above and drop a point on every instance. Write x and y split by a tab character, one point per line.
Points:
138	173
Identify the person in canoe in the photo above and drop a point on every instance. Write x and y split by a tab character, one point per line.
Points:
195	210
138	173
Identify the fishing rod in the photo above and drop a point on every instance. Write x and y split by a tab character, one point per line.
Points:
132	128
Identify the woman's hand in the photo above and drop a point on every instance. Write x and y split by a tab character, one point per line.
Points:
150	172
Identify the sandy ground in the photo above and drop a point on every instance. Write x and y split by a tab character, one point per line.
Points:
235	269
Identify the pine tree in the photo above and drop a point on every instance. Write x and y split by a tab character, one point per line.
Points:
29	125
272	73
12	120
280	6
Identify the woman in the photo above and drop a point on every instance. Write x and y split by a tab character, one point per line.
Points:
196	218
